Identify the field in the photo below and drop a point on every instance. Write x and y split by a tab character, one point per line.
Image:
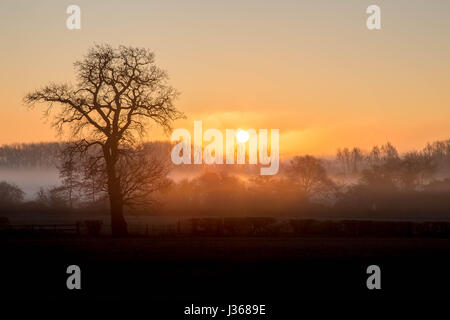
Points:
224	268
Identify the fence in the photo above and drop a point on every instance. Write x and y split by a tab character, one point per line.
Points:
245	227
73	229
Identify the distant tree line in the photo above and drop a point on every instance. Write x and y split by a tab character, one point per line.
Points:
30	155
355	160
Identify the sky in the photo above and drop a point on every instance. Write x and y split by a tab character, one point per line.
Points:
309	68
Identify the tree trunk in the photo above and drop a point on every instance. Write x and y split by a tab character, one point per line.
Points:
118	223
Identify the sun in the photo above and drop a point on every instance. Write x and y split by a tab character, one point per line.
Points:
242	136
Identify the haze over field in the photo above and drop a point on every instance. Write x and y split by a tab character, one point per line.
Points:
30	180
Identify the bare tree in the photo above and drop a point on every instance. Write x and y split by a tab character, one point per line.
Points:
143	172
91	168
309	173
415	169
374	156
340	159
357	157
389	152
344	156
68	172
117	93
144	176
409	172
10	193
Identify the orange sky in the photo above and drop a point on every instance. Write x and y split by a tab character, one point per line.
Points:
310	69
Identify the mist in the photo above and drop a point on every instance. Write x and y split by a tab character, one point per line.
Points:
31	179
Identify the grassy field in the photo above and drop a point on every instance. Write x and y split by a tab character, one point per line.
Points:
224	268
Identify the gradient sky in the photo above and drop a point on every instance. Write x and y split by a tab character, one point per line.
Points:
309	68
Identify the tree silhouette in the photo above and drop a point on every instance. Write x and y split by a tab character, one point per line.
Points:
90	169
143	173
309	174
69	175
10	194
119	90
357	157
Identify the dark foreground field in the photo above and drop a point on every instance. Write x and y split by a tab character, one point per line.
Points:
224	269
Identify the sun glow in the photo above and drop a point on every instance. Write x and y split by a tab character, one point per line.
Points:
242	136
